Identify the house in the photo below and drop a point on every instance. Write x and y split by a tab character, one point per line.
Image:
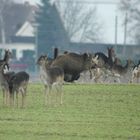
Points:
16	14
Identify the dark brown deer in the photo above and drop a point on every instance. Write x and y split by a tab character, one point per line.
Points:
73	64
53	76
106	61
105	64
4	84
18	84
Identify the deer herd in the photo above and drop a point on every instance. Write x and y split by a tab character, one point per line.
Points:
66	67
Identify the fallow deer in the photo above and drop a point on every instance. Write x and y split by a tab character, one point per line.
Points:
18	84
4	84
105	64
6	59
136	73
3	81
73	64
53	76
121	71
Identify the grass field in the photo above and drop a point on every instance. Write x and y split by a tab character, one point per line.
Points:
89	112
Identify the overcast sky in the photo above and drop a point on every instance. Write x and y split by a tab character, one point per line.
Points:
106	13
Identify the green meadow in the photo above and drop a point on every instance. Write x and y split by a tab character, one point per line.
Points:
89	112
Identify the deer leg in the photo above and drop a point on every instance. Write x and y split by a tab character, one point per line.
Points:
46	93
49	95
12	98
23	93
4	94
137	79
56	94
90	73
61	94
7	97
17	98
23	100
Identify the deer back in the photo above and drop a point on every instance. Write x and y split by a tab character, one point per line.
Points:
72	62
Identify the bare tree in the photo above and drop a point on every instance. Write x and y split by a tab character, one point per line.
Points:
132	8
3	7
80	20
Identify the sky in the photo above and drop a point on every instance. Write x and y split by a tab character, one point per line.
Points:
106	14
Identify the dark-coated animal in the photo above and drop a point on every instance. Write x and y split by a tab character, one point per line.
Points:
18	84
73	64
106	61
4	83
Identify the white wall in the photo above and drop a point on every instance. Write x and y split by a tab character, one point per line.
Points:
19	47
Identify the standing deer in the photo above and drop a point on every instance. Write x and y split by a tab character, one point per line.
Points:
4	83
18	84
53	76
105	64
106	61
121	71
3	76
6	59
73	64
136	73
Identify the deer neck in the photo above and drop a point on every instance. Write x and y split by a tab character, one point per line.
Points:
6	58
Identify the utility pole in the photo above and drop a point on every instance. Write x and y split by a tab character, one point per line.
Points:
2	29
116	31
125	34
36	45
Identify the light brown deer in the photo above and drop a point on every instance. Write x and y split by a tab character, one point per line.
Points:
53	76
120	71
136	73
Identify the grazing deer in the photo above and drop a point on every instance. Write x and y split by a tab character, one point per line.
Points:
18	84
136	73
52	76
